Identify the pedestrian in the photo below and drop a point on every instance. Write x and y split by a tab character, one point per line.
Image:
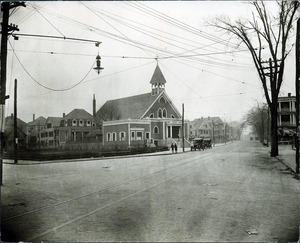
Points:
175	148
172	147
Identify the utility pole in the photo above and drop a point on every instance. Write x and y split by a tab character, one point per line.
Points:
7	29
15	125
213	133
297	96
182	127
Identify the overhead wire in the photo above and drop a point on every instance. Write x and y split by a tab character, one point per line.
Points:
172	21
44	86
174	56
48	20
139	43
111	25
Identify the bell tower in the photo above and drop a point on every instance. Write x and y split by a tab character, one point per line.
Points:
157	81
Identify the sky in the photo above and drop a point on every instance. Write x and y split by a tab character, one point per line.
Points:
203	67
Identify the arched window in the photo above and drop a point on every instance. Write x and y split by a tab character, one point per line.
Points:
164	113
162	100
114	136
172	116
151	115
155	130
122	136
159	113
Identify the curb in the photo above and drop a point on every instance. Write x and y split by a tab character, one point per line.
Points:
24	162
295	175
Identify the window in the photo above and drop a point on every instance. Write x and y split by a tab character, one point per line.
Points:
114	136
285	118
155	130
285	105
108	136
147	135
159	113
162	100
139	135
132	135
81	123
49	125
93	124
151	115
74	123
88	123
51	134
172	116
122	136
164	113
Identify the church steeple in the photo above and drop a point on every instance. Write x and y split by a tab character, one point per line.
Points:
157	81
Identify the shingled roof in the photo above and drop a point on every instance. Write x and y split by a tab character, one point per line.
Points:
55	121
197	123
131	107
158	77
78	114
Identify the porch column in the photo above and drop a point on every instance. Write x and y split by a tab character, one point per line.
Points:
164	131
171	132
129	134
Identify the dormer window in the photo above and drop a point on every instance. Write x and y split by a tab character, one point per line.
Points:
81	123
74	123
88	123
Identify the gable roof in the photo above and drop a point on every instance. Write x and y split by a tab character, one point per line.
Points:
78	114
198	123
55	121
157	77
131	107
38	121
9	128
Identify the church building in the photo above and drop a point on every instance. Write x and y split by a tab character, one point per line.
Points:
149	119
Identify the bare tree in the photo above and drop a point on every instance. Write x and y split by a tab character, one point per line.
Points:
266	36
258	120
108	112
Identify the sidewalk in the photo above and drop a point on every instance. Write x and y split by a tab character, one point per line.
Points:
35	162
288	156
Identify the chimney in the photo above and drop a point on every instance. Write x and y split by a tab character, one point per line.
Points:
289	94
64	114
33	117
94	106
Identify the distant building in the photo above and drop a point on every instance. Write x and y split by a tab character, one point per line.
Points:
149	119
286	121
208	127
75	127
50	132
34	131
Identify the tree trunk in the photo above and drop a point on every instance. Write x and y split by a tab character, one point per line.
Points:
274	134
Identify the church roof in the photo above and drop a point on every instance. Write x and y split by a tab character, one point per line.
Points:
158	77
132	107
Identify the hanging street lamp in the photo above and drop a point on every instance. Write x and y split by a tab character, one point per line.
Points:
98	67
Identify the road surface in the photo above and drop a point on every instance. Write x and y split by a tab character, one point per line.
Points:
234	192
